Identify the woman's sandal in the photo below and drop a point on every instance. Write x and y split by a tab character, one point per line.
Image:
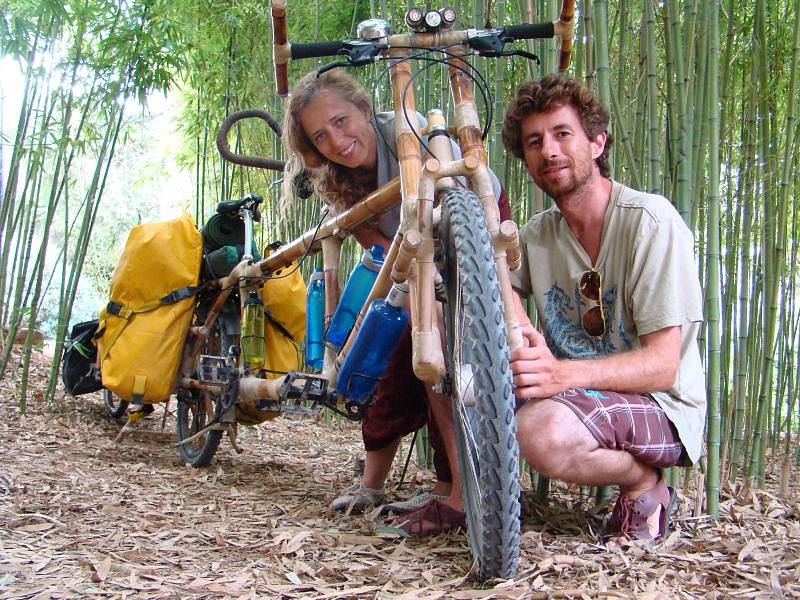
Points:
432	519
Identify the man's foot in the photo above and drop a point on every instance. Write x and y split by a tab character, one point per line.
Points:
433	518
644	518
358	498
415	502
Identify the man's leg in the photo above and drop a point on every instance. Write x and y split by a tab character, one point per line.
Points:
579	436
558	445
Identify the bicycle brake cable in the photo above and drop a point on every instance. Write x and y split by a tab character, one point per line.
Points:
472	73
426	55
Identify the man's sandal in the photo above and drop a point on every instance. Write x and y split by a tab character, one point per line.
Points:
432	519
645	518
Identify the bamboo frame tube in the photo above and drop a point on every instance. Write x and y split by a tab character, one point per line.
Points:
331	254
370	207
280	46
428	359
407	251
253	388
508	237
467	128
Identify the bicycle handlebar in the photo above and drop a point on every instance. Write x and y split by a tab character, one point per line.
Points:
488	42
316	49
241	159
529	31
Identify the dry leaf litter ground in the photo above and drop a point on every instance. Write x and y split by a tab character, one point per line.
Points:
81	517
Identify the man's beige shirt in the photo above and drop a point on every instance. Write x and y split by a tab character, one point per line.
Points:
649	280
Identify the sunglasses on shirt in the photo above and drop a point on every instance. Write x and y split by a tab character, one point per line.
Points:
591	288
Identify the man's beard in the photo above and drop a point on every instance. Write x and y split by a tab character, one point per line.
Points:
579	174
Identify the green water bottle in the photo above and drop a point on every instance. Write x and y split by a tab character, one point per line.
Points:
253	343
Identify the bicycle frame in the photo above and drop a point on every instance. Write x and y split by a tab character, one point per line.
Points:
410	257
479	324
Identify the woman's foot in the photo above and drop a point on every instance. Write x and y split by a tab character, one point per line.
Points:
418	500
433	518
358	498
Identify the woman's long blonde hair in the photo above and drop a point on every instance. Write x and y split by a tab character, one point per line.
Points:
340	186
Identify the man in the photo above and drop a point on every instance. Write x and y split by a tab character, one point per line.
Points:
613	388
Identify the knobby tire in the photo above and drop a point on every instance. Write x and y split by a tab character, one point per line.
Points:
486	431
116	406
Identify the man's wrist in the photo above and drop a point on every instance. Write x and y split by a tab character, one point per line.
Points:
564	373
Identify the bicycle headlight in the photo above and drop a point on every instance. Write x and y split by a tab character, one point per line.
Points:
415	19
448	16
433	20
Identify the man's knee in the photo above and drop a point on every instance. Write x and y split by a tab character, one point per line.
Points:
550	437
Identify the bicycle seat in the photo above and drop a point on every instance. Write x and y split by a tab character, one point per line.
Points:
233	206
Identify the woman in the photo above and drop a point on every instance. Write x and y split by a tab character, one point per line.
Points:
330	130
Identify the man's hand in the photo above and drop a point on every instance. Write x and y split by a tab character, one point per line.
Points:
528	332
537	373
651	368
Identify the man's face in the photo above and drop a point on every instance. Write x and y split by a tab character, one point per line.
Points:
558	154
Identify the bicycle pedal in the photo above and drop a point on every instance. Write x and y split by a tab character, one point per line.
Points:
302	386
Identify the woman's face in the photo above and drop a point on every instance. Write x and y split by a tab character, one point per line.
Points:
340	131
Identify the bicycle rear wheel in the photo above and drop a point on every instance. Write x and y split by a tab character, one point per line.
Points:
481	387
197	410
116	406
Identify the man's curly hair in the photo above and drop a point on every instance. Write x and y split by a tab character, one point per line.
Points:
552	92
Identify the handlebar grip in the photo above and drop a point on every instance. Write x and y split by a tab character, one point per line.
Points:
316	49
530	31
280	47
565	27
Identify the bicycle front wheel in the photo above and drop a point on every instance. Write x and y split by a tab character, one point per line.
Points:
481	387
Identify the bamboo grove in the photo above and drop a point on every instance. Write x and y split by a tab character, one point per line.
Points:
703	97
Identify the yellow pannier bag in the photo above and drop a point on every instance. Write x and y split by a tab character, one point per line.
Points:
284	298
144	326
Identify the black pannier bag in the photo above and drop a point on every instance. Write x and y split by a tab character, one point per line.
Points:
79	364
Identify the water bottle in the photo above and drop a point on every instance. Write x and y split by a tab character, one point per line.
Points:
315	320
375	343
253	342
355	292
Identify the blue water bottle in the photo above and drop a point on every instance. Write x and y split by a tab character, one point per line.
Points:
355	292
375	343
315	320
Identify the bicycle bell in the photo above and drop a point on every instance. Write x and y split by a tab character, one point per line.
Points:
373	29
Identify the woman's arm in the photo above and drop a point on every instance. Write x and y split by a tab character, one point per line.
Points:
368	236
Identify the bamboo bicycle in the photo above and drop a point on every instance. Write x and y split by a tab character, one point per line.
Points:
450	246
